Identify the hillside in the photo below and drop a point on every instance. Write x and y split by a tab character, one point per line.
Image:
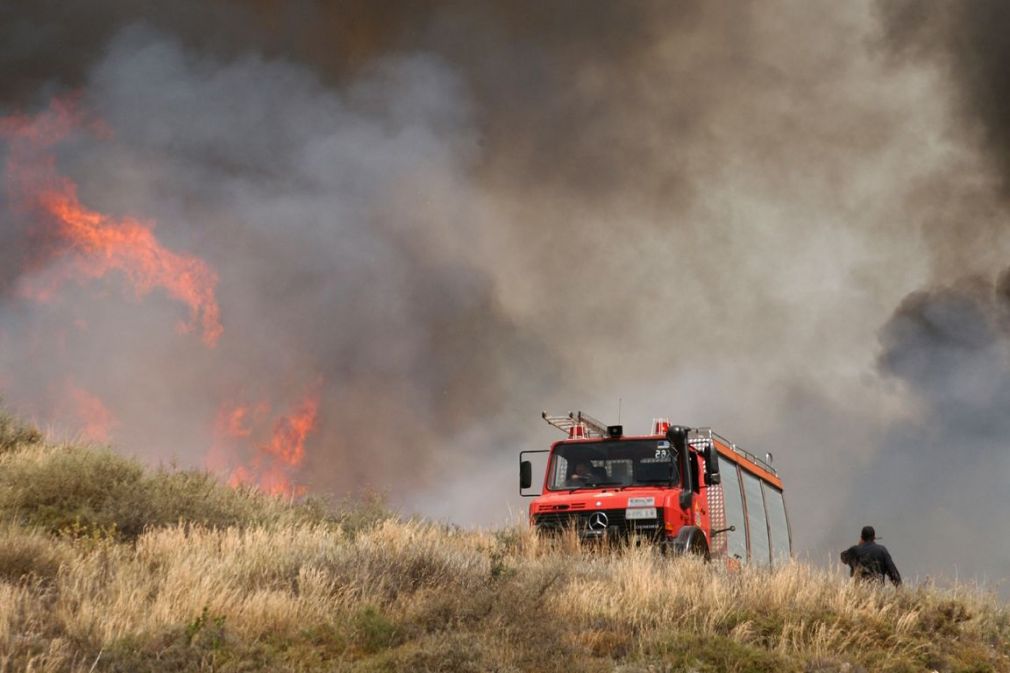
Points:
105	566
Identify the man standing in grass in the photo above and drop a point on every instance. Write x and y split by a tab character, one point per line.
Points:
869	560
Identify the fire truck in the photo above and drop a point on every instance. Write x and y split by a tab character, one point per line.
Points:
687	489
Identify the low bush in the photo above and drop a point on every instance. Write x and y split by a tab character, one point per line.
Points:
72	490
15	433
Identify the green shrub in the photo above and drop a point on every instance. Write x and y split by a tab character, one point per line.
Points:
84	491
68	489
374	631
359	515
716	654
436	653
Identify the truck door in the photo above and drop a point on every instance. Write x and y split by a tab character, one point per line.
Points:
757	521
777	524
731	543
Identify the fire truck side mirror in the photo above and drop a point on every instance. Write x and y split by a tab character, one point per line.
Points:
677	435
525	474
712	475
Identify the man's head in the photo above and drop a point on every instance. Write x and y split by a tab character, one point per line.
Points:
868	534
583	468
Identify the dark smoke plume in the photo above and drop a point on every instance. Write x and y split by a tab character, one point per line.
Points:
969	39
939	476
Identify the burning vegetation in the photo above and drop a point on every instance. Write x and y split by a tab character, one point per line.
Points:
82	245
255	448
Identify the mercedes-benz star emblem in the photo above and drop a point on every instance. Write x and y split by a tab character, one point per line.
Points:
598	521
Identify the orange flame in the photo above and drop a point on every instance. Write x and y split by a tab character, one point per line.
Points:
96	421
234	422
95	243
268	464
287	444
252	445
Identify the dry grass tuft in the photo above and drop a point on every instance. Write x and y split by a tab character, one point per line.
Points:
209	579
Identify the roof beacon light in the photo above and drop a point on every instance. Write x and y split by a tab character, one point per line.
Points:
660	426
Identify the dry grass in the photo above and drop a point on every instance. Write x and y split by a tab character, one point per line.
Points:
292	589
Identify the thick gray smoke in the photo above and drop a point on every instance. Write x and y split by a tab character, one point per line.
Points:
939	474
334	222
939	478
969	40
445	217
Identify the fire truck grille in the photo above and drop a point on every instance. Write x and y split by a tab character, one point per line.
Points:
589	523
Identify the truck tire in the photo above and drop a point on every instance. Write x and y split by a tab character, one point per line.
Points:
691	540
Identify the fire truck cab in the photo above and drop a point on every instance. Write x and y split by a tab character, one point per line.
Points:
685	488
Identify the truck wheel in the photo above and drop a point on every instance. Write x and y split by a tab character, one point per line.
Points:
691	540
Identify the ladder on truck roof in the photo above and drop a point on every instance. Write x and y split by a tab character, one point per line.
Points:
702	437
577	424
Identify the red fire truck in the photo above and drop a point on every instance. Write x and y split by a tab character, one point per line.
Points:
686	488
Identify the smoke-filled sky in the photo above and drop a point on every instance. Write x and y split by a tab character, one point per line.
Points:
425	222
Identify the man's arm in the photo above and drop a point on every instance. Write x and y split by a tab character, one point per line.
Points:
849	559
891	570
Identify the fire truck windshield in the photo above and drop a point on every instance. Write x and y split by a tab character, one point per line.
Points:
612	463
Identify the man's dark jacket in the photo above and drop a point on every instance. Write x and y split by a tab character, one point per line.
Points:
870	560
